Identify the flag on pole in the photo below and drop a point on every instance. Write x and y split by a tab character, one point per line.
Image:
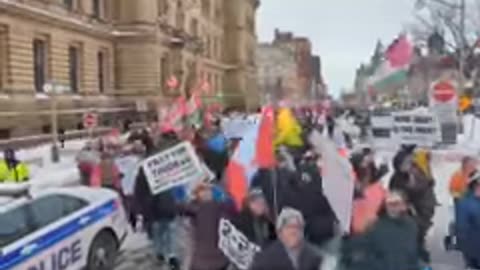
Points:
242	167
289	130
194	110
394	70
265	154
174	116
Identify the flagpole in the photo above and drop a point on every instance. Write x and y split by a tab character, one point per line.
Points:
275	194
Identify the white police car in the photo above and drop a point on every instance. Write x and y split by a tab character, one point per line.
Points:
62	229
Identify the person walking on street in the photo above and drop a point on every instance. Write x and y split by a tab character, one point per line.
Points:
459	181
206	214
254	220
87	159
391	244
13	170
106	174
468	223
159	213
413	177
291	251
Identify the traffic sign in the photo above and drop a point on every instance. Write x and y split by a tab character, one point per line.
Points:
90	120
444	91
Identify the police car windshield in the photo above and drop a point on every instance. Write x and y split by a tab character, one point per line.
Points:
14	224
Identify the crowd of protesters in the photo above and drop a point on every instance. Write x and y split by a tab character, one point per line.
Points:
290	218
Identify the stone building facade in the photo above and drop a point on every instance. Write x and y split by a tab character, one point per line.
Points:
110	54
277	72
297	72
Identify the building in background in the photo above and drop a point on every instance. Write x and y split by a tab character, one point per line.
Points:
319	89
302	48
302	85
111	54
277	72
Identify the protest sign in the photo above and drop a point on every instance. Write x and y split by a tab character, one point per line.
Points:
236	127
236	246
417	127
173	167
338	182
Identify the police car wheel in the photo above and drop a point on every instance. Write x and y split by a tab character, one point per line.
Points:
103	252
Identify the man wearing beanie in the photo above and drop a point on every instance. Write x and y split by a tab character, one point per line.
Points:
290	251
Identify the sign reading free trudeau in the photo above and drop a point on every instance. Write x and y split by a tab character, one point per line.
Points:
173	167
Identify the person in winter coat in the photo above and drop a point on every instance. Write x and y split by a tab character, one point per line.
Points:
391	244
291	251
468	223
86	159
459	180
13	170
206	214
413	177
106	174
369	191
305	193
159	212
216	152
254	220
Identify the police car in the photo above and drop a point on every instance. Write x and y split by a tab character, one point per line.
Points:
62	229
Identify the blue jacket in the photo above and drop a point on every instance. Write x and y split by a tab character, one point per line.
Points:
468	226
217	143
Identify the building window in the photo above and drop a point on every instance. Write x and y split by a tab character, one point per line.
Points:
162	7
206	8
5	134
39	63
194	27
3	55
102	70
163	72
69	4
97	8
74	68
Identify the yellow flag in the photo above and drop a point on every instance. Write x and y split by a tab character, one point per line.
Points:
289	130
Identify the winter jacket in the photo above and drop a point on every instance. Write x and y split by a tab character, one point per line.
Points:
276	257
259	230
264	180
205	221
365	208
161	206
468	226
15	172
458	184
391	244
305	193
419	190
99	178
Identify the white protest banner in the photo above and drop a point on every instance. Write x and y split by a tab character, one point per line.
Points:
235	128
419	127
173	167
236	246
338	182
381	127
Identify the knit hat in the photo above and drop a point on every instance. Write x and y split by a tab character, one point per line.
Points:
289	216
394	196
254	194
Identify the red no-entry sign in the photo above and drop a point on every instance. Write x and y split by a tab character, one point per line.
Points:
444	91
90	120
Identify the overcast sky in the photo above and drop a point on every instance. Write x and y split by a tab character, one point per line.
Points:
343	32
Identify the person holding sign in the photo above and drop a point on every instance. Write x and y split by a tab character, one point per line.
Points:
291	251
206	214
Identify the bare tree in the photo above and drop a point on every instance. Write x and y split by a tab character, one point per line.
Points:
457	20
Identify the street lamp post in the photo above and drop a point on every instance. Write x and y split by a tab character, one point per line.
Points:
54	89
